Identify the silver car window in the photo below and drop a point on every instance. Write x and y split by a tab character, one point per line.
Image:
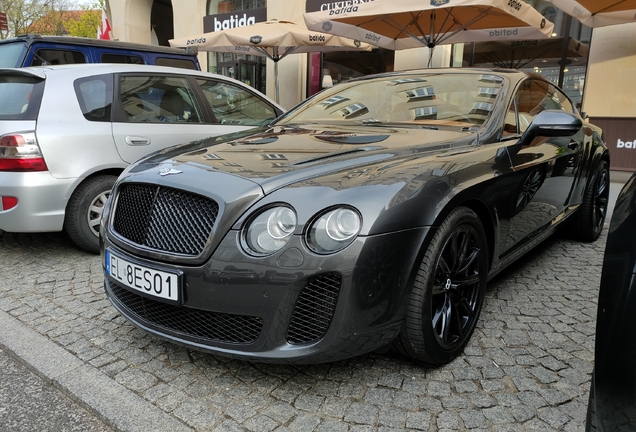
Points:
95	97
234	105
20	97
158	99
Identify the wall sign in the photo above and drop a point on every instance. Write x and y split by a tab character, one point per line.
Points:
320	5
226	21
620	137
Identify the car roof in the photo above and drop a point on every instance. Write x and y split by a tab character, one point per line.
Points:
87	69
34	38
74	71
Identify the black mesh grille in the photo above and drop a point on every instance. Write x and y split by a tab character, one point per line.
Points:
314	309
168	220
212	326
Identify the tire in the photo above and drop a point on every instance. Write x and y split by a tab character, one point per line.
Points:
448	292
84	210
590	217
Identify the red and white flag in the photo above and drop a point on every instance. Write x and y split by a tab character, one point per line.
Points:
103	31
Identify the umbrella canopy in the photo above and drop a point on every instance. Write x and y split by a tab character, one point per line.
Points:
518	54
403	24
273	39
599	13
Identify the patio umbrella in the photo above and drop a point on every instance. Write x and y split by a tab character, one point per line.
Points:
599	13
403	24
518	54
273	39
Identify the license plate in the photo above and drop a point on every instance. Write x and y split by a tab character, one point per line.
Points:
150	281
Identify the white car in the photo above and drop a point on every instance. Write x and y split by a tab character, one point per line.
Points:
68	131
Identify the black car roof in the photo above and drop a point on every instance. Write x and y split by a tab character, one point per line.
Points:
34	38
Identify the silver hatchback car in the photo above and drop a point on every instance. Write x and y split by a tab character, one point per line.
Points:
68	131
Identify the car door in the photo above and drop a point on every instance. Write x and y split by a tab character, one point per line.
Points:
157	111
545	167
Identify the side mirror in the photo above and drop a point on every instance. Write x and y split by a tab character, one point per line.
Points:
552	123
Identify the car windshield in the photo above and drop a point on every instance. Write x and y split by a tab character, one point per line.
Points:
12	54
440	99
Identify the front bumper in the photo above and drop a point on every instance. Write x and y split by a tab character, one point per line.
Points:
291	307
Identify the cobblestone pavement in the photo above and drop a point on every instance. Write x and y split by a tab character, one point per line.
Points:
527	367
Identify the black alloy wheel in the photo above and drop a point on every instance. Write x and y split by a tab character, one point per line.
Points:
448	292
591	215
455	288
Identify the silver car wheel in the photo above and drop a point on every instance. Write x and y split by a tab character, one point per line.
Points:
95	211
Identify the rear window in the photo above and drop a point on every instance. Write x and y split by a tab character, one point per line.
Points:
95	97
20	97
57	57
12	54
174	62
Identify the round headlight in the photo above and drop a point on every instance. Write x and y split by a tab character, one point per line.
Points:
334	230
270	230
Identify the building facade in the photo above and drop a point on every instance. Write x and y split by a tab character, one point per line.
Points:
594	67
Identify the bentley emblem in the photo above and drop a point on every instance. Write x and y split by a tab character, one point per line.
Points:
168	171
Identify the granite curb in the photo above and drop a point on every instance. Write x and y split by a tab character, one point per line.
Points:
111	402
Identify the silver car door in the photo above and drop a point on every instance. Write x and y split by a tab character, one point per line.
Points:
160	111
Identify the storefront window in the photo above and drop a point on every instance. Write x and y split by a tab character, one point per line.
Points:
225	6
246	68
340	66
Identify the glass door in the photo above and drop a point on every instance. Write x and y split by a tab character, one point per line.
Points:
248	73
228	69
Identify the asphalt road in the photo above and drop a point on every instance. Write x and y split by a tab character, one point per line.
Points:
76	364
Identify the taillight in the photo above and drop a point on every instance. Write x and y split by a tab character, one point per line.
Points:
8	202
20	152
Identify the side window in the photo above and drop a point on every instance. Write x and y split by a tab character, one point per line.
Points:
174	62
120	58
510	125
95	97
533	96
20	97
57	57
234	105
158	99
562	101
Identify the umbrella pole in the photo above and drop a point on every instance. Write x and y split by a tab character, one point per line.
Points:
276	79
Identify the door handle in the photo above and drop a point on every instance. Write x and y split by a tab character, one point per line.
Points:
573	145
137	140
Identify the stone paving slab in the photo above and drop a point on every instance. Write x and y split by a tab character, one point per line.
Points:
527	367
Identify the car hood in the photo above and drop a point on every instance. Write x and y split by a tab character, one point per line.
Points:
279	156
370	168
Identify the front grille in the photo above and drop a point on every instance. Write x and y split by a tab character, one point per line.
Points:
314	309
211	326
164	219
